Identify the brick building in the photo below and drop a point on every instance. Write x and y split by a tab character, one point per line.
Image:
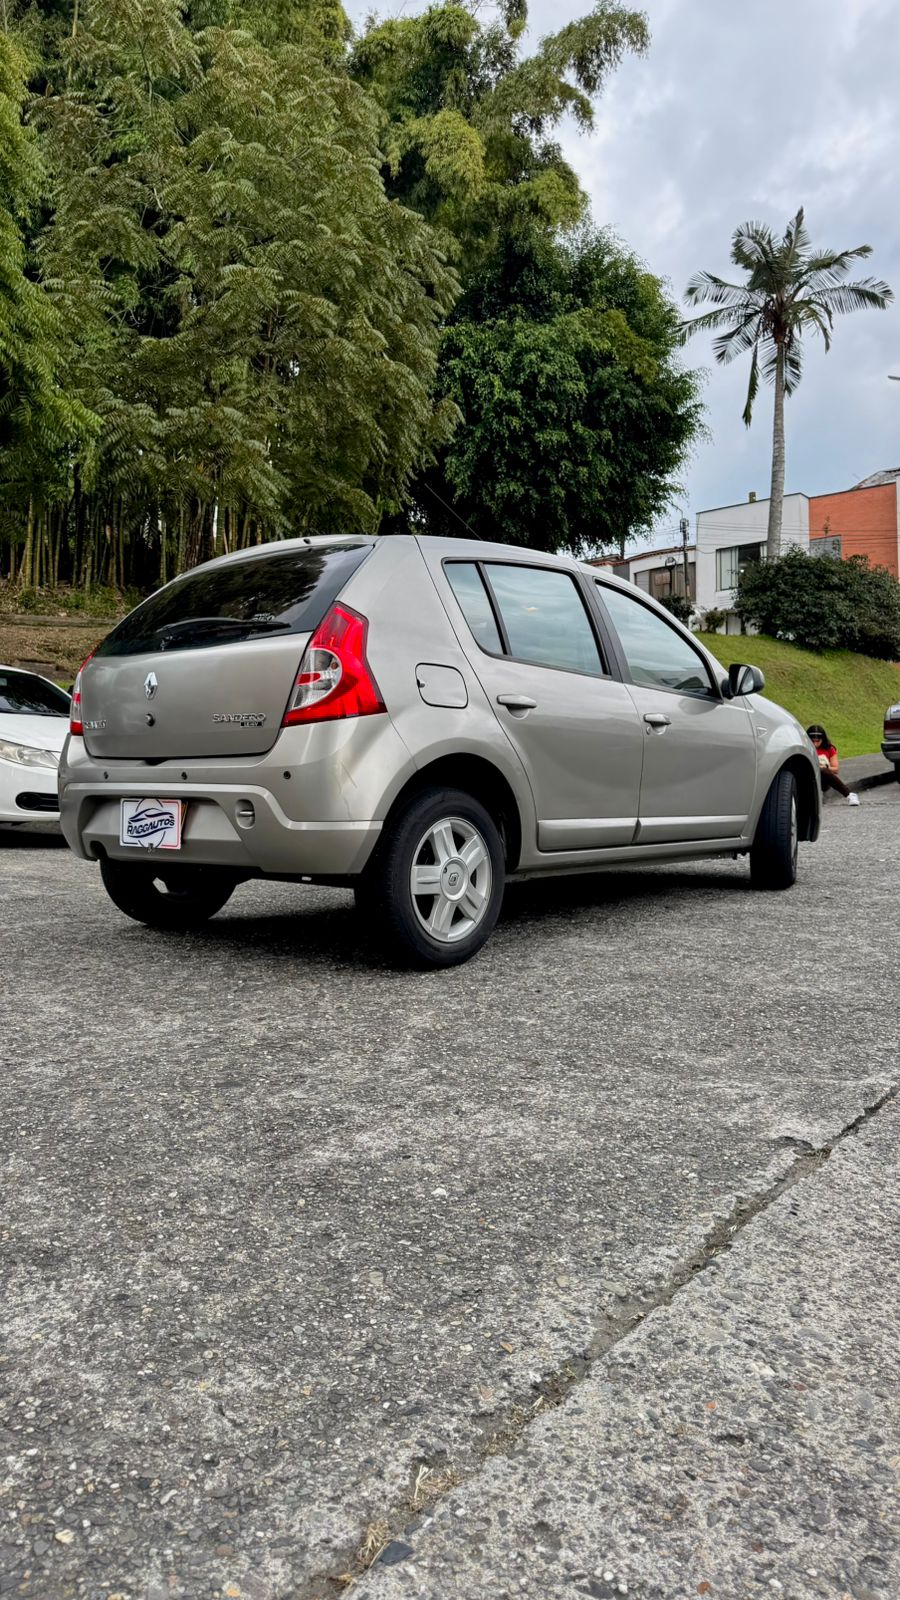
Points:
864	521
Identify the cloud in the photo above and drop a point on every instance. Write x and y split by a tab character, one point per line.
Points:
742	112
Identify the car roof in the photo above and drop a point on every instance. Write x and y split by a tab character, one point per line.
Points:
313	541
483	550
444	548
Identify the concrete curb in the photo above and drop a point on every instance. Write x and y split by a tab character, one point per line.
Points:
875	780
867	772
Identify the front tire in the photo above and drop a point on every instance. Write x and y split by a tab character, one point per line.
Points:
436	885
774	852
173	898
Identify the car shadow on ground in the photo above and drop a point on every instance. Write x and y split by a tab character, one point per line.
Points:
534	899
30	836
336	934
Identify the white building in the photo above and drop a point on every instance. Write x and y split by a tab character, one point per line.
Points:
728	537
659	573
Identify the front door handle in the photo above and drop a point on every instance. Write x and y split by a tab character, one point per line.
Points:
657	719
517	702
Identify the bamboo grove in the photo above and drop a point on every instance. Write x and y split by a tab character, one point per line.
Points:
232	241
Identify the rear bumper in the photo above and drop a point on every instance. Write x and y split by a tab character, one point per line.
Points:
313	806
212	836
891	750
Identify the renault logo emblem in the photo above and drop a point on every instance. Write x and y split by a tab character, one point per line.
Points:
151	684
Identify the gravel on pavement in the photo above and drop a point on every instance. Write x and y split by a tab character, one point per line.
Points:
290	1242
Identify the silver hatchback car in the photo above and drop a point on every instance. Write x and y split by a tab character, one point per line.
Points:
420	720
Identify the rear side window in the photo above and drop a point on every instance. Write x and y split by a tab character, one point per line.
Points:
24	694
258	596
544	618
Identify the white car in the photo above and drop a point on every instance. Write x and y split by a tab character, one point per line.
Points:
34	721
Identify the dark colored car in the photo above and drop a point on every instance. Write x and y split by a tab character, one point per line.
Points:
891	746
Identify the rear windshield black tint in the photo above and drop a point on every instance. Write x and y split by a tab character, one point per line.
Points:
258	597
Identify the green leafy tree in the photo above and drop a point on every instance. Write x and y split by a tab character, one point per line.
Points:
36	413
560	354
791	289
467	120
575	415
253	320
823	603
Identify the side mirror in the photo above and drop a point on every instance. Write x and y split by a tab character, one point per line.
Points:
745	680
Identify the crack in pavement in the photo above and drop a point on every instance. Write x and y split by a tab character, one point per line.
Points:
434	1480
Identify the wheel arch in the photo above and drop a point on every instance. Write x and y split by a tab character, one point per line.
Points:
479	778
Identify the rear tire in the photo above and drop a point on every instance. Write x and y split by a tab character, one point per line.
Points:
175	899
773	854
448	847
897	770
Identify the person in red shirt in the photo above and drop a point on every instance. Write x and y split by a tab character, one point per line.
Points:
829	764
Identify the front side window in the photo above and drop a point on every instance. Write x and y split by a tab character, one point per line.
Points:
731	563
544	618
658	657
25	694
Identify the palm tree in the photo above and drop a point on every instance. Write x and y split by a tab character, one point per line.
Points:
790	289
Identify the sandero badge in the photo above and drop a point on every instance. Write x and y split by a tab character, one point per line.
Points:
151	824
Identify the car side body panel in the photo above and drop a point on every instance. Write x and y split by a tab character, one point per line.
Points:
575	736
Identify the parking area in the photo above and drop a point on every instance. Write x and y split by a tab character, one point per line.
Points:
291	1244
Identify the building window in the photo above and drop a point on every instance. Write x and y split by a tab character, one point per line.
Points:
731	563
828	545
661	582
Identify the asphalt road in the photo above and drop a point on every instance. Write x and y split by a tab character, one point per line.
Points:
291	1244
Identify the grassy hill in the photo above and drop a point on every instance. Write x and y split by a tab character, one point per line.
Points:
847	693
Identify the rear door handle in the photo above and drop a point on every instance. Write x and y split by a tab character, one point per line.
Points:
517	702
657	719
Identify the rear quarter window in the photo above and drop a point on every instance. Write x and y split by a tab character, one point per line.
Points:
256	596
466	582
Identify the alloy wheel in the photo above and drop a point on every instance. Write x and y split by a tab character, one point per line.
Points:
450	879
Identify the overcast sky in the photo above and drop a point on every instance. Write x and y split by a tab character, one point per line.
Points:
745	112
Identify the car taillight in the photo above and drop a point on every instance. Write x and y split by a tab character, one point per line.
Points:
334	679
76	726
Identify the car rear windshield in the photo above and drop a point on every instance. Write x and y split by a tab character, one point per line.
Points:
25	694
258	596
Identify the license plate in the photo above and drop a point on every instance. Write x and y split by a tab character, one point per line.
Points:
152	824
